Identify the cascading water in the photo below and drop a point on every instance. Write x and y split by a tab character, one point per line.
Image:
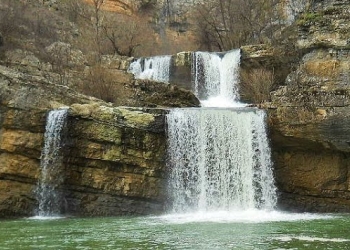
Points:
215	78
219	157
48	194
220	160
153	68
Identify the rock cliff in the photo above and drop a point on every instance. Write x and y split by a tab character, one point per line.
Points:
114	157
309	116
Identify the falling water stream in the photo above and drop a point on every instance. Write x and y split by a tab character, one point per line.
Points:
216	78
220	160
48	192
153	68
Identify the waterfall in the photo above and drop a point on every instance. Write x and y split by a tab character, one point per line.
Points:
220	160
218	155
215	78
152	68
49	196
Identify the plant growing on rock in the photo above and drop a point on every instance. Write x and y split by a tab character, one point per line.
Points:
256	84
100	84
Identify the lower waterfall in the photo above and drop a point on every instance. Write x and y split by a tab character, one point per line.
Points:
49	197
219	160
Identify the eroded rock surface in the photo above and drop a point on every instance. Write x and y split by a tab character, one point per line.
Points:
114	157
309	116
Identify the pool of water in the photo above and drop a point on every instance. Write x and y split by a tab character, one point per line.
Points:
190	231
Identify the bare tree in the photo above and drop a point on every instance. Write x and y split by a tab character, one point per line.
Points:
97	20
59	55
225	24
127	33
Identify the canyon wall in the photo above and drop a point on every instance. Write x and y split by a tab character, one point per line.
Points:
309	116
114	157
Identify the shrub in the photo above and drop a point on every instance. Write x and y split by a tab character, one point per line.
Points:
256	85
99	83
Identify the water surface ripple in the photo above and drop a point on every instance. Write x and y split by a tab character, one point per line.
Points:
298	231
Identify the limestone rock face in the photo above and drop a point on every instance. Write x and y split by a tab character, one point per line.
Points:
155	94
309	116
327	26
115	161
180	71
113	157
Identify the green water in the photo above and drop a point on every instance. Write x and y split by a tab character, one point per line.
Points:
332	232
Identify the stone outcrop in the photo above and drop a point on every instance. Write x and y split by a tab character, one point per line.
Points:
180	70
114	157
153	94
115	161
309	116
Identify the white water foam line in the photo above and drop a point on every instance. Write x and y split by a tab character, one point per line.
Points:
310	239
38	217
247	216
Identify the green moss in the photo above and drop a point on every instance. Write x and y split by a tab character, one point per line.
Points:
310	18
113	153
136	118
102	132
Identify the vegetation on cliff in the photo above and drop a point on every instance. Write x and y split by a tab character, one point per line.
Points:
84	44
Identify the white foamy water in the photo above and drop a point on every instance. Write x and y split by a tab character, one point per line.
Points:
48	194
219	102
38	217
155	68
240	216
310	239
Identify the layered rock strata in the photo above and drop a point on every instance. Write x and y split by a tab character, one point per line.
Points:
309	116
114	157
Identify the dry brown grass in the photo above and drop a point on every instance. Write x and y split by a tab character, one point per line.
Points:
100	83
256	85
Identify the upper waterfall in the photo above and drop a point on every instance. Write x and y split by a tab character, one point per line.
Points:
155	68
216	78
